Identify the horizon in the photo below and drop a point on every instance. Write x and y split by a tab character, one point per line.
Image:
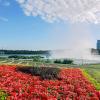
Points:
40	49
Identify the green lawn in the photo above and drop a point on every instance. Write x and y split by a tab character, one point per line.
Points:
92	72
3	95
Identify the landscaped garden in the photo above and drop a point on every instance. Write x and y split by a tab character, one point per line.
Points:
47	83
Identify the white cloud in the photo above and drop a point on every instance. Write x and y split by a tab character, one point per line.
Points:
63	10
4	19
21	1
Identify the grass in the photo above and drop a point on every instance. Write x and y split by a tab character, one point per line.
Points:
93	71
3	95
91	79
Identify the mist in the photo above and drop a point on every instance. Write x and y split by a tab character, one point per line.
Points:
78	43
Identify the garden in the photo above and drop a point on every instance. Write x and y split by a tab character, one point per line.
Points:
45	83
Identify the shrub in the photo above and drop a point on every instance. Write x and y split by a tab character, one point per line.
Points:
43	72
48	61
35	58
58	61
65	61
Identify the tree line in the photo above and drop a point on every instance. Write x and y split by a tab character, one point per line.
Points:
23	52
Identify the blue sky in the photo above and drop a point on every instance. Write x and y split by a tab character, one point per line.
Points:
18	31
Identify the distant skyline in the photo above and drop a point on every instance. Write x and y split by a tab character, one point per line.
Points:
20	31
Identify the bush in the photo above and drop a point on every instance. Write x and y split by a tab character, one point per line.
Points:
43	72
48	61
65	61
15	56
35	58
58	61
50	73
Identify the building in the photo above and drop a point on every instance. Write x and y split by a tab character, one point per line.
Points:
98	44
94	51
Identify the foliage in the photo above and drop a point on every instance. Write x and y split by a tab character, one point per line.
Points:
35	58
3	95
48	61
24	52
65	61
43	72
58	61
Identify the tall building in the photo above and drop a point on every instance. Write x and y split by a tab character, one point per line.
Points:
98	44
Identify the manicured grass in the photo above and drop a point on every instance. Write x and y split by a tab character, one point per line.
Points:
91	79
93	71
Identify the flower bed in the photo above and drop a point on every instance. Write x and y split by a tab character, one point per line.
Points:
72	85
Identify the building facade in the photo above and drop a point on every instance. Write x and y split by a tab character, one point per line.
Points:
98	44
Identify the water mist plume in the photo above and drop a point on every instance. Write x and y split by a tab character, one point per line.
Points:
78	44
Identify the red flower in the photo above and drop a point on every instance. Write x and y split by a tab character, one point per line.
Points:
21	86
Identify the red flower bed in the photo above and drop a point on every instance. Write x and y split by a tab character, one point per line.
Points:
71	86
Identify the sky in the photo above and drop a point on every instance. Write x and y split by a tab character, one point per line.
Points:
42	25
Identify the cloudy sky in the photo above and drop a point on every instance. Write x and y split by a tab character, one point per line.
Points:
49	24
